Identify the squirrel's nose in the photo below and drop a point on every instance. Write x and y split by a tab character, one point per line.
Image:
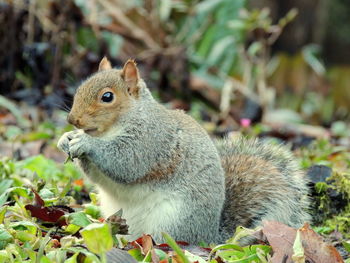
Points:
72	120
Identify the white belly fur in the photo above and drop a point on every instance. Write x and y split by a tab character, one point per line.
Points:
146	211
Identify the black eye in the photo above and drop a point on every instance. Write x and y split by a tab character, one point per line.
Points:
107	97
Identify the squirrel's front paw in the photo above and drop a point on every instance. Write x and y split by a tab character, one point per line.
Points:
78	144
63	142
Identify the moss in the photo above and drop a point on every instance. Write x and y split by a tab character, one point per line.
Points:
341	182
340	222
331	217
322	202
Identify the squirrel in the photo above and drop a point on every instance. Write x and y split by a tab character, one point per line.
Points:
162	168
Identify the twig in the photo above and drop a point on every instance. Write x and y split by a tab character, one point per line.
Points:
31	26
134	30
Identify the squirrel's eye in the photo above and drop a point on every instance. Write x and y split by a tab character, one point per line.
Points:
107	97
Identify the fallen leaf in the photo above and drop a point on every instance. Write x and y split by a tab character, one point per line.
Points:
147	243
281	238
316	250
298	250
50	214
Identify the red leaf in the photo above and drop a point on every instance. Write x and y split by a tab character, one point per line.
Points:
38	200
50	214
47	214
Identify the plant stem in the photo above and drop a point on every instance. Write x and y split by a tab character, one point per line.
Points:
103	257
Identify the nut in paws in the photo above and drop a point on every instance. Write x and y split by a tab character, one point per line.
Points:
63	142
78	144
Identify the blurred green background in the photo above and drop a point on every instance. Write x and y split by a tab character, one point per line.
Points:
235	58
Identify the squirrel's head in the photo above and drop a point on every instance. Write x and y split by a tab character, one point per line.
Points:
103	98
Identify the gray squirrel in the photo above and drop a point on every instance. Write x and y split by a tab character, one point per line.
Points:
161	167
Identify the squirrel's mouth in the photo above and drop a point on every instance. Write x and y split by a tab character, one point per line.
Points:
90	130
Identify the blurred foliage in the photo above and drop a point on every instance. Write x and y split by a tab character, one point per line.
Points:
54	44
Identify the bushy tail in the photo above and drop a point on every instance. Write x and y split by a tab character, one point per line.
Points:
263	182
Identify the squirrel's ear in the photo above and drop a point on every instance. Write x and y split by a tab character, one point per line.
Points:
130	75
104	64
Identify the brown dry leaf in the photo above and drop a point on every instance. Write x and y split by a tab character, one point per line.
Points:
316	250
147	243
281	238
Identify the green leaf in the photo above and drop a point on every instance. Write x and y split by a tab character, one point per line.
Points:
66	189
57	255
92	210
5	237
165	7
161	254
4	256
346	245
34	136
45	259
72	259
171	242
3	198
94	198
5	184
24	225
240	233
227	246
194	258
90	257
24	236
339	128
148	257
254	48
43	242
114	42
87	39
46	194
21	191
79	219
219	49
72	229
136	254
71	171
310	55
3	210
97	237
45	168
206	6
237	24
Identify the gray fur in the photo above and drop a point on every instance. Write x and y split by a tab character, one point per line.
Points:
167	158
147	135
271	188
